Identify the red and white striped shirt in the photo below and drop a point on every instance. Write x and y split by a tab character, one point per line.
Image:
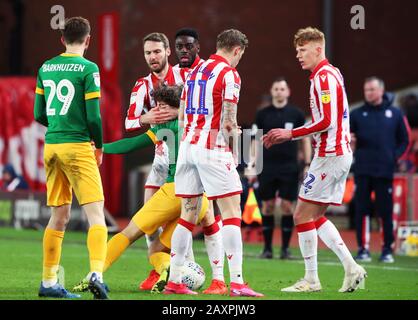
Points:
142	98
330	126
205	90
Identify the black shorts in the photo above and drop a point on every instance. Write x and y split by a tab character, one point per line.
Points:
286	184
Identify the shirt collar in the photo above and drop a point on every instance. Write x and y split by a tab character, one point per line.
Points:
196	62
218	57
319	66
155	80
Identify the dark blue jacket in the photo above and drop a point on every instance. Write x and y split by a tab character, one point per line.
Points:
382	138
16	182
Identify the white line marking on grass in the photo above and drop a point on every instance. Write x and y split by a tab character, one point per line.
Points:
366	266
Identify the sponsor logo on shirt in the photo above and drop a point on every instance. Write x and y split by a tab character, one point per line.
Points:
325	96
96	77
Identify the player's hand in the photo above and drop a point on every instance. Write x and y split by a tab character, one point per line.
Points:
276	136
98	153
156	116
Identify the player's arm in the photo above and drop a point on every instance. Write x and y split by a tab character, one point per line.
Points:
130	144
92	103
94	122
181	114
326	86
39	110
306	144
230	129
136	117
229	126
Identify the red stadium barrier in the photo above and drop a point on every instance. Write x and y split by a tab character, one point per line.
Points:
22	138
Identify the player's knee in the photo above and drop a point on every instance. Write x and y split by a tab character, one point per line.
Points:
268	207
132	232
298	217
207	220
287	207
59	223
157	246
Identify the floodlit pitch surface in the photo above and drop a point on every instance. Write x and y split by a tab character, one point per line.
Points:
21	269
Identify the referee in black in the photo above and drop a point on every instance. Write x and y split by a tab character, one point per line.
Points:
281	168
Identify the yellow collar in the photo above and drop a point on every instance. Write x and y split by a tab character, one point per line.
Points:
70	55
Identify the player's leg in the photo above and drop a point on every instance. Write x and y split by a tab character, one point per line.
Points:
84	176
189	187
117	245
338	169
268	227
221	182
59	198
180	243
308	244
286	226
288	192
363	208
156	178
215	251
52	243
384	205
268	189
164	206
148	193
233	246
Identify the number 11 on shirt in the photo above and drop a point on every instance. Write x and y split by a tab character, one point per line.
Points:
202	94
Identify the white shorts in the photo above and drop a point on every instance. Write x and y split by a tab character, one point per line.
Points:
202	170
325	180
159	170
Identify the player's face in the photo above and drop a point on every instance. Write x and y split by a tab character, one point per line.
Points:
187	49
156	55
238	53
373	92
308	55
280	91
7	177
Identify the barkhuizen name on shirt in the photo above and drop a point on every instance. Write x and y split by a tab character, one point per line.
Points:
75	67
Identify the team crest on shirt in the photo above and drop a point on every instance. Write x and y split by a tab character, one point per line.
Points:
325	96
388	113
96	77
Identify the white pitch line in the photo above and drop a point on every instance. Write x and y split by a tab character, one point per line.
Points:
366	266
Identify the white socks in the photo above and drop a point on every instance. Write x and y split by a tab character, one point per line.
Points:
332	238
232	242
215	250
308	244
180	243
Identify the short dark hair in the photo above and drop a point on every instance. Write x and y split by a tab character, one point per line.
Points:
157	37
169	95
75	30
228	39
188	32
280	79
374	78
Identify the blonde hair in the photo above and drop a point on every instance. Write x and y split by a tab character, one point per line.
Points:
308	34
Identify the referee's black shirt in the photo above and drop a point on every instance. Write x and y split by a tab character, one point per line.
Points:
282	158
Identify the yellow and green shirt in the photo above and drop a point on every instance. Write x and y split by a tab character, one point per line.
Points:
67	84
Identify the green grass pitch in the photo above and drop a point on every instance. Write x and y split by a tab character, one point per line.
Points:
21	269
